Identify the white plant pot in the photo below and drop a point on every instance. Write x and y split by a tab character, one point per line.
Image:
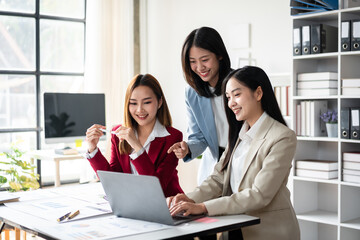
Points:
332	129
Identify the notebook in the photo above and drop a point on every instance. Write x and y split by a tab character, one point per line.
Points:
138	197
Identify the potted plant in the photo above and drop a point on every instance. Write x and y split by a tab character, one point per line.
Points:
331	120
17	173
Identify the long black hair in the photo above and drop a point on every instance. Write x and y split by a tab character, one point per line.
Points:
208	39
252	77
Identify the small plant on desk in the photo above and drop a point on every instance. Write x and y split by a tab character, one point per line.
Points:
19	174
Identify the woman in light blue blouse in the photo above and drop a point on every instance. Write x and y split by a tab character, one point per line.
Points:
205	64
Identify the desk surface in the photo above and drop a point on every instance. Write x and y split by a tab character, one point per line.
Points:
47	229
51	155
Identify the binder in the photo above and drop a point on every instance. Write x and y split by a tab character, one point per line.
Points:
305	43
355	35
345	36
323	38
355	126
297	41
345	123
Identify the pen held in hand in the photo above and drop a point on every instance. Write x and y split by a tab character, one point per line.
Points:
74	214
107	131
63	217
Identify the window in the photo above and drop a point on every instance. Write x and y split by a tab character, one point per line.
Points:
42	49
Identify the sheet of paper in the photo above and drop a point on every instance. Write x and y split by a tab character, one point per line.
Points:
53	208
103	228
93	193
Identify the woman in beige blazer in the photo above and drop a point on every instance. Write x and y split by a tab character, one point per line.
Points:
252	174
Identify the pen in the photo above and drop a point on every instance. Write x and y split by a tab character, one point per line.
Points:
63	217
74	214
107	131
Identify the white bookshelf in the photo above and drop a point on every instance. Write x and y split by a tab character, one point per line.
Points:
326	209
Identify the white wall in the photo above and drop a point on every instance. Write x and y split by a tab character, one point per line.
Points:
168	22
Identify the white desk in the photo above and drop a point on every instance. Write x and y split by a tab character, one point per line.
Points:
50	155
52	229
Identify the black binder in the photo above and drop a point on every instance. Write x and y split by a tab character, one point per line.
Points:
355	35
305	43
345	123
297	41
345	36
355	120
323	38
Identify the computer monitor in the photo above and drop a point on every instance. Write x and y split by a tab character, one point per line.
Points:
67	116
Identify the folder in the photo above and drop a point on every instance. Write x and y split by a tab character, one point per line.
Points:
345	122
331	4
355	35
305	43
323	38
355	123
324	4
316	4
299	7
297	41
345	36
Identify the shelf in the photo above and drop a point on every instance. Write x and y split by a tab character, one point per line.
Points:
349	140
350	184
330	55
315	98
319	216
330	181
355	223
323	16
350	10
317	139
349	97
350	53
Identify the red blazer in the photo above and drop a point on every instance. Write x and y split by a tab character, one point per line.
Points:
155	163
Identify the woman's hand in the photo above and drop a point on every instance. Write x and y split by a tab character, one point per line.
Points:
187	208
128	134
181	149
170	201
182	204
93	135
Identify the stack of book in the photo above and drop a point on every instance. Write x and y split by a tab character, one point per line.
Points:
282	94
351	167
308	122
321	169
350	86
317	84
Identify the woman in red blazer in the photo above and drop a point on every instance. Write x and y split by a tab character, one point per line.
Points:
139	146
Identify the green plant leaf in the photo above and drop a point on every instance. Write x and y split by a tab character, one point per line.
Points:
19	174
3	179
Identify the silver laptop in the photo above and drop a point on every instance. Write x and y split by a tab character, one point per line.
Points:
138	197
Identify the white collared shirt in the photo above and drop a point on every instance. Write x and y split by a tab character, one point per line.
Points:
159	130
237	164
222	127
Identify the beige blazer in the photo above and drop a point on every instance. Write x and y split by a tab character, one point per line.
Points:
262	190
